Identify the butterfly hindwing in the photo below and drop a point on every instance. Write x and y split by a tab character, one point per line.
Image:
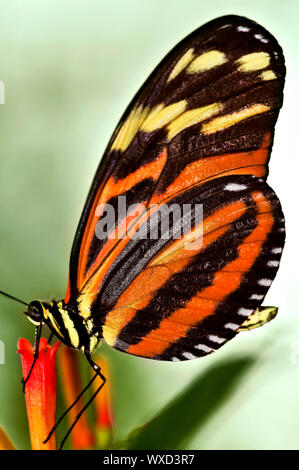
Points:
200	130
183	297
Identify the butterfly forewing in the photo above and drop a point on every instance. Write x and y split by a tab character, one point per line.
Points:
199	131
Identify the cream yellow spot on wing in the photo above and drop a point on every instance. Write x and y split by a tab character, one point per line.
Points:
220	123
89	325
181	64
109	335
258	318
206	61
268	75
93	341
192	117
253	61
161	115
69	325
129	128
84	302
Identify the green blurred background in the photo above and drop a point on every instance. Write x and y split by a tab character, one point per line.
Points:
70	68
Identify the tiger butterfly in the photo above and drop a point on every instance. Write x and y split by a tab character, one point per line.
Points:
199	131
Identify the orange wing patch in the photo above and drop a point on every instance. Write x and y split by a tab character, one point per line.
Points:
204	169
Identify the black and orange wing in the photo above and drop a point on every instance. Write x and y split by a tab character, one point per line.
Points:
171	301
200	129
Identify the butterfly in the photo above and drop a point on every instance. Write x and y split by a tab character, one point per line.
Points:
199	131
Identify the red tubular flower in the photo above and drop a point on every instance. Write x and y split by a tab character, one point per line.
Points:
81	436
103	407
40	391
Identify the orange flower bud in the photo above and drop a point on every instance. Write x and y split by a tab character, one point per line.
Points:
40	391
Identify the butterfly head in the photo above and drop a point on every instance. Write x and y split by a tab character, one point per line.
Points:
48	313
35	312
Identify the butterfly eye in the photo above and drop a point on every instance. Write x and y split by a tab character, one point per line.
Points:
35	312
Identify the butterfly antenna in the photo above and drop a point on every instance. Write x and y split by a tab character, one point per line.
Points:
13	298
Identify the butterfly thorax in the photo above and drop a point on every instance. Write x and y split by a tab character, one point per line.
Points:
66	323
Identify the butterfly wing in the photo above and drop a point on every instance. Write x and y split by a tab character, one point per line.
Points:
202	122
174	301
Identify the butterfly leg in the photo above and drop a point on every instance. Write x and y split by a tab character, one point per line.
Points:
95	367
98	373
69	408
